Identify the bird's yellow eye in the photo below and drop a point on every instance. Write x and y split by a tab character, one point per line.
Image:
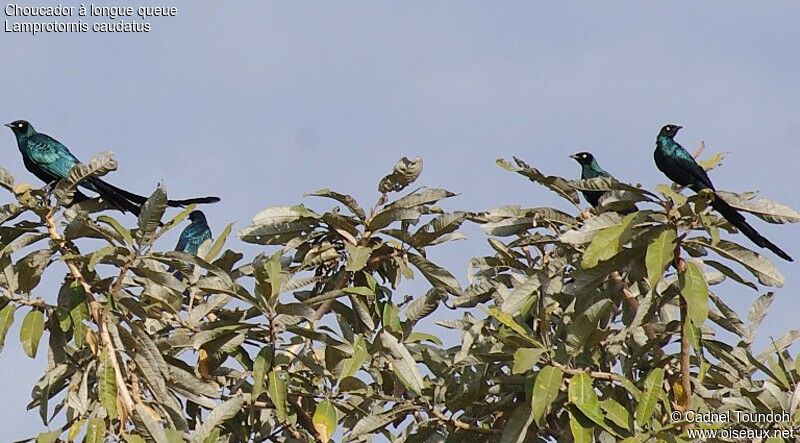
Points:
19	125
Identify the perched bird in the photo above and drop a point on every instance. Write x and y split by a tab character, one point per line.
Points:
195	234
50	161
679	166
590	169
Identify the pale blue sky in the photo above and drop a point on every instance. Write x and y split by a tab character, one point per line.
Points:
261	102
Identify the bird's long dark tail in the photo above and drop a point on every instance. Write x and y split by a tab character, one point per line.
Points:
131	202
737	219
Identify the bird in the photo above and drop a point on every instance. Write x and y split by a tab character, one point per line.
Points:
50	161
195	234
680	167
590	169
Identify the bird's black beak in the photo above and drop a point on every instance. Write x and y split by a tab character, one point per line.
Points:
8	125
574	156
678	127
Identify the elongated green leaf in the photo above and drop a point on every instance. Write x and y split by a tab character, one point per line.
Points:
581	427
345	199
218	416
98	165
277	392
421	197
261	364
617	413
556	184
218	243
357	257
351	365
403	363
517	425
509	321
436	275
660	253
525	358
6	320
48	437
325	419
582	395
107	385
150	216
650	396
762	208
31	332
404	173
374	422
279	223
521	295
766	273
123	232
425	305
606	244
95	431
545	390
695	291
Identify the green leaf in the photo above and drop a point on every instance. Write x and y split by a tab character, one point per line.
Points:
277	392
509	321
762	208
695	291
545	391
220	415
123	232
521	295
616	413
150	216
525	358
218	243
517	425
351	365
345	199
766	273
403	363
95	431
668	193
98	165
650	396
581	394
107	385
6	320
607	243
437	276
357	257
581	427
424	306
556	184
660	253
279	223
404	173
421	197
31	332
391	319
48	437
325	419
262	362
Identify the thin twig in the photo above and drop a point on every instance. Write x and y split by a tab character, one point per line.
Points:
460	424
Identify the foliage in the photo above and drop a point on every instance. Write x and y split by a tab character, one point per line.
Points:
595	325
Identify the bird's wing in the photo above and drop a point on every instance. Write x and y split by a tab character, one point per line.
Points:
183	240
696	174
50	155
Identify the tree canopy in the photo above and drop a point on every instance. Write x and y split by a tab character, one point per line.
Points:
580	325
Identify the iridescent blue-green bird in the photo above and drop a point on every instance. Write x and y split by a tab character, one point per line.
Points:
590	169
679	166
195	234
50	161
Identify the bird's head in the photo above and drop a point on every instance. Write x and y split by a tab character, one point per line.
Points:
669	131
197	217
584	158
20	127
